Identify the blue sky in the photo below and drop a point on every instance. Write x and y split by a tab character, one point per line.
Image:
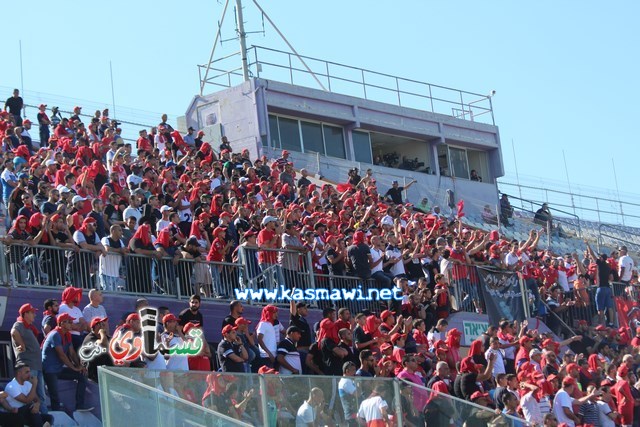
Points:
565	72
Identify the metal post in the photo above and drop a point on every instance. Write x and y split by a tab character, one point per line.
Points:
525	298
397	400
312	278
398	92
364	85
242	36
263	399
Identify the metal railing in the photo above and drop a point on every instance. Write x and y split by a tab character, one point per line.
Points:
279	398
339	78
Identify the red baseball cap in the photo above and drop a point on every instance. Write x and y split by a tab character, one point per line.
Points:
601	328
479	395
26	308
64	316
169	318
623	371
386	346
42	105
189	326
385	314
228	329
97	320
77	108
242	321
132	316
567	381
524	339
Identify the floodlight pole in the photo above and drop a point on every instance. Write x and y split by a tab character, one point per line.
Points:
242	36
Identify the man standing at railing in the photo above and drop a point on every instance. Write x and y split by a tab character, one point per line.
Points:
268	242
14	106
604	295
625	265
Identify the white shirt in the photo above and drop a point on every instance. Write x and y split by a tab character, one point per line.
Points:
397	268
371	408
375	256
162	224
110	264
14	389
511	259
498	365
176	362
74	312
531	409
269	337
563	400
603	410
627	262
306	415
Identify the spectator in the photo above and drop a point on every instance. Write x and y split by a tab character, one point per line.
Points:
311	412
98	338
61	362
267	335
14	106
71	298
173	337
49	314
192	313
506	211
235	311
94	308
112	262
25	340
21	395
231	351
374	409
288	356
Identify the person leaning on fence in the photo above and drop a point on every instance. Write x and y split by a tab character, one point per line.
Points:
268	241
112	261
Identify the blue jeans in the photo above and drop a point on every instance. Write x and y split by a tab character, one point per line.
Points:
604	299
383	279
273	275
40	390
66	374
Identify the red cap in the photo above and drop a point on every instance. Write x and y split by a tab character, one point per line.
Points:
395	337
547	342
552	377
225	215
26	121
572	366
64	316
229	328
606	383
169	318
267	370
219	230
97	320
583	322
600	328
26	308
242	321
386	346
478	395
42	105
622	371
385	314
284	152
189	326
567	381
524	339
250	233
77	108
132	316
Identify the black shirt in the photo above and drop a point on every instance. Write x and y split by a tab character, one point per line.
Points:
14	105
603	273
303	325
338	268
333	364
187	316
229	320
102	359
225	349
359	337
395	194
359	257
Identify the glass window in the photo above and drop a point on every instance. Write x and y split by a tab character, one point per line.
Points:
362	147
312	137
289	134
459	165
333	141
273	131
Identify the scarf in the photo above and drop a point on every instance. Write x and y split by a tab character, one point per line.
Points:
143	233
88	220
371	326
195	229
476	348
267	312
437	388
328	330
468	366
16	227
28	326
72	295
35	225
66	336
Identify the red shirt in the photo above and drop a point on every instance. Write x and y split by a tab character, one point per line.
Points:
622	393
550	276
144	144
266	257
459	271
216	252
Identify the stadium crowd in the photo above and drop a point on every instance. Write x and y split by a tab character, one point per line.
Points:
112	214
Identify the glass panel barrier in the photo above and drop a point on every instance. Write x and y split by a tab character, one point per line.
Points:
159	398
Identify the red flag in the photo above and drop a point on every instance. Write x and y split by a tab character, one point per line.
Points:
460	208
343	187
627	311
